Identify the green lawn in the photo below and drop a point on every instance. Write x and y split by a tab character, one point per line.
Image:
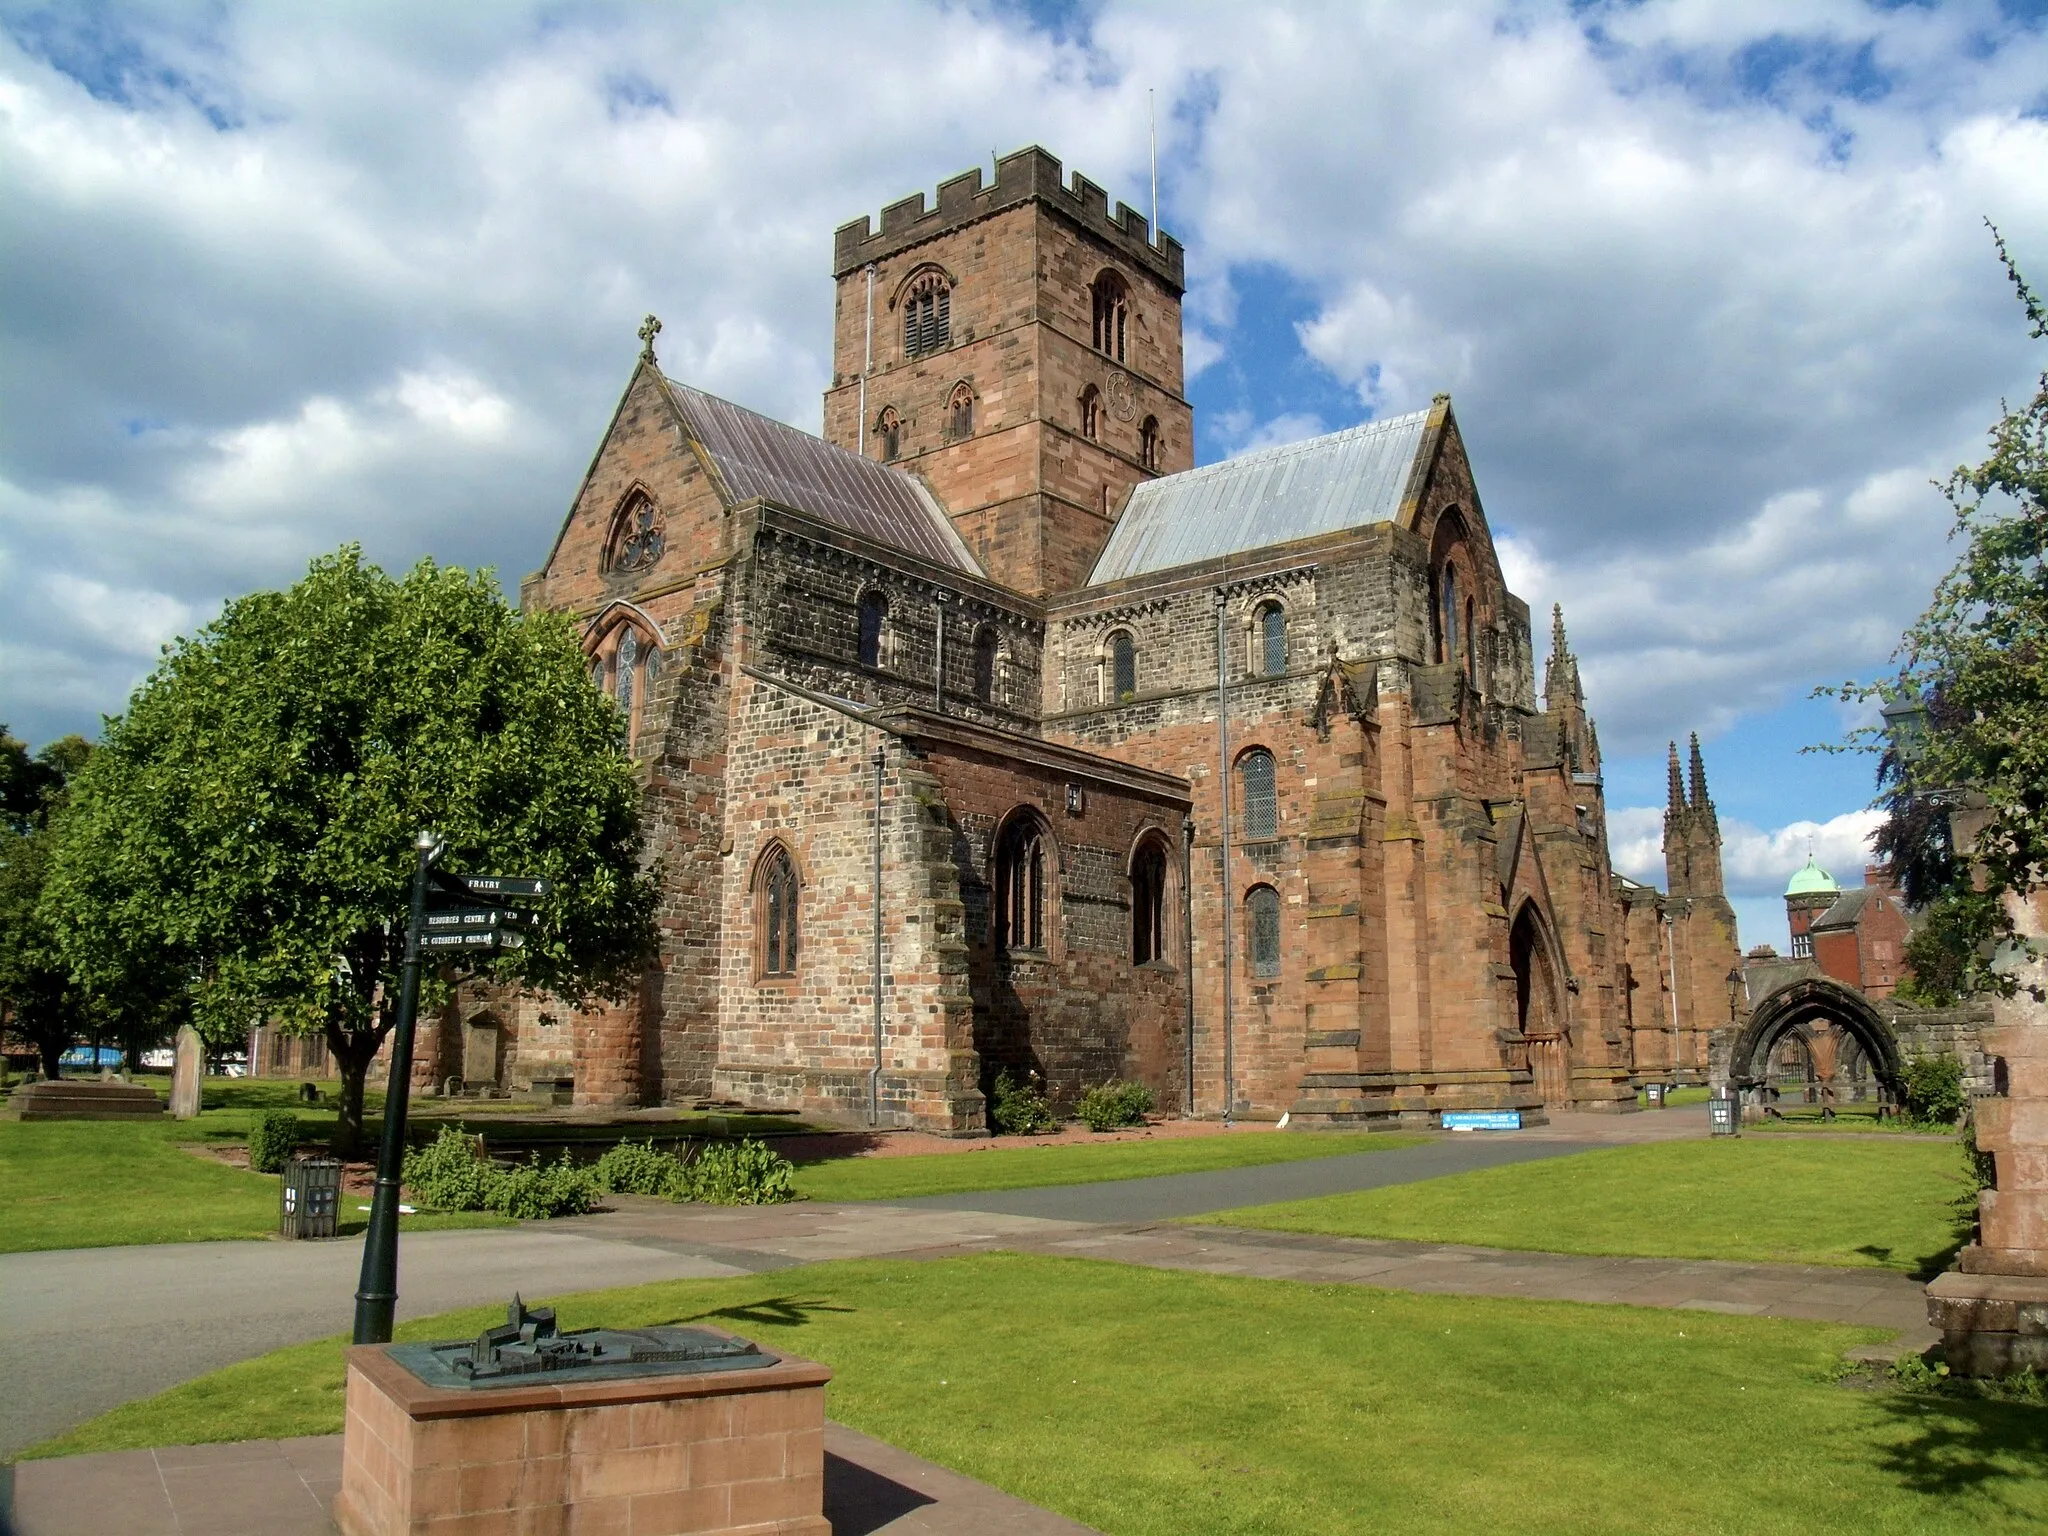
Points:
102	1183
1141	1401
1787	1200
1000	1167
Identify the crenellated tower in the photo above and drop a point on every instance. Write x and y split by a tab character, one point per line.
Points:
1019	349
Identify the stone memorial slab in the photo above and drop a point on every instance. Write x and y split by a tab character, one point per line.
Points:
188	1065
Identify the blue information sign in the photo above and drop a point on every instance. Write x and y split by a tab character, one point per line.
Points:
1482	1119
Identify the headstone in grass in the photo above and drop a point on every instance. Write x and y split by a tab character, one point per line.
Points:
187	1063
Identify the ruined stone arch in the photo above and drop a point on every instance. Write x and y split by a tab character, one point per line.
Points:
1798	1006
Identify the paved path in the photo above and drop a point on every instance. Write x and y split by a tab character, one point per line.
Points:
286	1487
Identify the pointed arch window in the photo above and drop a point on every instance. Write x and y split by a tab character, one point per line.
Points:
1123	667
1471	628
889	433
1148	443
1269	634
639	535
1148	902
1112	314
960	413
874	618
625	668
1261	795
1448	630
1262	930
928	315
1021	886
985	664
776	913
1091	412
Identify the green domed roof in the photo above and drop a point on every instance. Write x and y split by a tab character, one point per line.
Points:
1811	880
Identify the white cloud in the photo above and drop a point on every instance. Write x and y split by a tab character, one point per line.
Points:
130	622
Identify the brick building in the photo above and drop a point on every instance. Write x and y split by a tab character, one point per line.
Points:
940	716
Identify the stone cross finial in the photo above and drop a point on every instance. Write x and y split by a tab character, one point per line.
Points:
649	329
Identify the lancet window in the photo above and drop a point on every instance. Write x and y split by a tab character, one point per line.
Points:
1261	795
1262	914
1021	886
928	315
776	908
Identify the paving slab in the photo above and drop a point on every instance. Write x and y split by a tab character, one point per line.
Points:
287	1488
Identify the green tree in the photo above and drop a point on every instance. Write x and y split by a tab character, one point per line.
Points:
249	822
1977	661
42	1005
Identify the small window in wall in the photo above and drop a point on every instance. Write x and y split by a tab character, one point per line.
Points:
889	433
1148	903
1020	886
1471	671
1091	412
985	665
1261	795
874	614
1112	314
928	315
1448	629
1148	443
627	666
1262	924
777	912
1270	635
960	413
1123	667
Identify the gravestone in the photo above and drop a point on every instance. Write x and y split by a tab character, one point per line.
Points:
188	1065
482	1043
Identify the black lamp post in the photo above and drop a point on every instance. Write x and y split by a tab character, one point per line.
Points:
377	1290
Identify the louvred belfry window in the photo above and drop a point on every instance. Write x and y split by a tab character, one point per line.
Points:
1112	314
928	316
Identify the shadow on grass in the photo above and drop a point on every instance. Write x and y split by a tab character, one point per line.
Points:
770	1312
812	1151
1956	1446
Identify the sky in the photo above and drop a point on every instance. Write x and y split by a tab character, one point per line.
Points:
1709	283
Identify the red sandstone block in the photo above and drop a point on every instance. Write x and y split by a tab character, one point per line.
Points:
683	1511
682	1420
459	1442
782	1498
435	1492
489	1485
805	1452
599	1517
546	1434
592	1431
628	1472
738	1461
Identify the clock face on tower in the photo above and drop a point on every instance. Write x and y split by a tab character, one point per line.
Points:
1123	400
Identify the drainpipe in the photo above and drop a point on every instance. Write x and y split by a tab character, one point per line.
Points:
939	660
1223	824
1187	936
875	1076
867	365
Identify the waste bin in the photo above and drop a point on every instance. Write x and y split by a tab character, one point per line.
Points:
1655	1093
310	1199
1724	1114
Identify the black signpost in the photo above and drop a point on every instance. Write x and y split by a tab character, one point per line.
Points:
467	916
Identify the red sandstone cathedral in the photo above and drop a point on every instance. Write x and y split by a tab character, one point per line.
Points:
987	733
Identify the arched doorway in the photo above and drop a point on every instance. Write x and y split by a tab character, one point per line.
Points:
1539	1006
1828	1030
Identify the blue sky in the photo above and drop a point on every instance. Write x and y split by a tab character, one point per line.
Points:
1707	280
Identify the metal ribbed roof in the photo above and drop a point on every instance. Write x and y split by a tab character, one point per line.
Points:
1345	480
759	456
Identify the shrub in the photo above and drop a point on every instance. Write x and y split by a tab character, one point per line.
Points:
273	1141
1020	1108
639	1168
450	1173
535	1191
738	1173
1934	1090
1114	1105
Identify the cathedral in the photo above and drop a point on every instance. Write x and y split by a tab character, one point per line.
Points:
986	733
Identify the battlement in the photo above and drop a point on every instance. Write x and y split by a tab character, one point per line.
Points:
1028	175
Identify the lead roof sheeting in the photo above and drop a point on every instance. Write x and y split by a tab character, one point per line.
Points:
1345	480
759	456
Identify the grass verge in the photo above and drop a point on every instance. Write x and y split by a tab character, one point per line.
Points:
1789	1200
1000	1167
1260	1405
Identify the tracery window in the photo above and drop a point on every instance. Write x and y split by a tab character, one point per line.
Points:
1091	412
1112	314
625	668
985	665
1262	911
638	535
776	892
1148	443
1020	886
874	616
889	433
1148	903
625	664
1123	667
928	315
1261	795
960	413
1270	635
